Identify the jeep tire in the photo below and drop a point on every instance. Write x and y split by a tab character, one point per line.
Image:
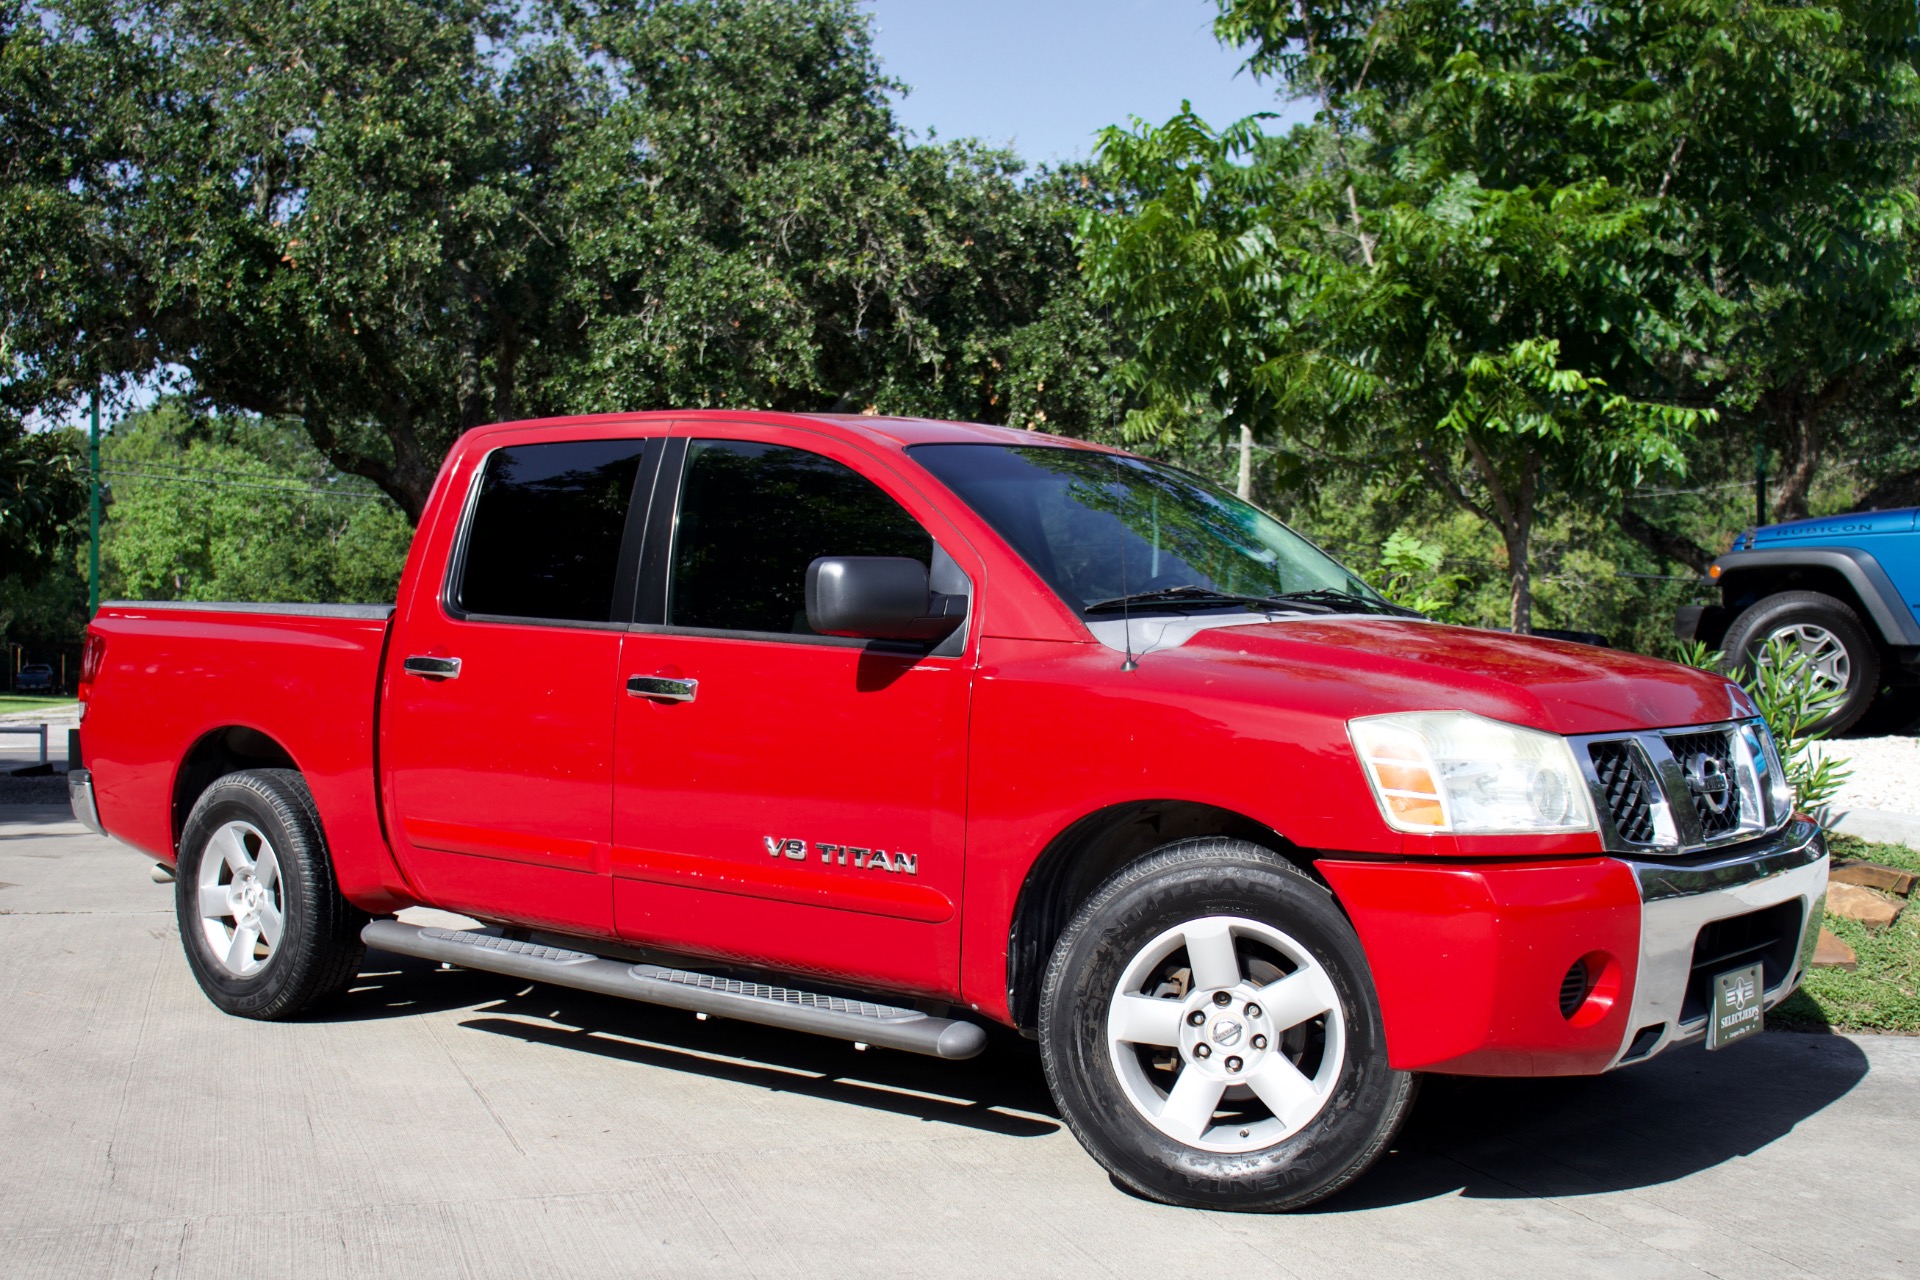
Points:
265	929
1828	633
1211	1034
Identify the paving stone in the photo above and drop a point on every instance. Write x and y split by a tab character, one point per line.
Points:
1866	906
1832	953
1872	875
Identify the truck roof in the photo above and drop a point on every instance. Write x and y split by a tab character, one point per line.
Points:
888	432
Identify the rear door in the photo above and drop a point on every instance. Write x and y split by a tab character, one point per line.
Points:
780	797
497	724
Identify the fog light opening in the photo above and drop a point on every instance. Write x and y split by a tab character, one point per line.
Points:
1589	989
1574	987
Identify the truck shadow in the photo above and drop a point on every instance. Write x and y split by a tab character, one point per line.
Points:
1001	1091
1680	1114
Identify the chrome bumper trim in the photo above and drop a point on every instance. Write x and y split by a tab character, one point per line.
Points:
80	796
1678	901
1794	845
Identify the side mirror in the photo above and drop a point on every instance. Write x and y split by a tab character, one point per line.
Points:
877	598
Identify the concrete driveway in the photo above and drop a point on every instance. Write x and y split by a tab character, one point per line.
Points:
445	1123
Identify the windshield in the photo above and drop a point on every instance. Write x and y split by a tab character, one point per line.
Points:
1102	527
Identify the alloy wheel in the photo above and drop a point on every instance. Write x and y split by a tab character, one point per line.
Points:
1226	1034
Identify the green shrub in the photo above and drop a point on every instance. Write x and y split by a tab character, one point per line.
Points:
1779	686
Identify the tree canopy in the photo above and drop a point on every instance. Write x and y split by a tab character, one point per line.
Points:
1529	248
392	220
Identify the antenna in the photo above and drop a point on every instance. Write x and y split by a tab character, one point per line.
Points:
1126	609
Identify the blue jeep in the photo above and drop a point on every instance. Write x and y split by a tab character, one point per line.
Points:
1844	589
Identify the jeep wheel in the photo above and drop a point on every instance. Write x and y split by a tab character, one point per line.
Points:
265	929
1841	657
1211	1034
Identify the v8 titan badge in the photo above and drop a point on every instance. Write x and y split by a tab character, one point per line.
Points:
1737	996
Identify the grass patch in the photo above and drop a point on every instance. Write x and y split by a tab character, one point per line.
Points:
11	702
1883	994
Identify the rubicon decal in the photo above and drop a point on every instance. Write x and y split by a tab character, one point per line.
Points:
845	855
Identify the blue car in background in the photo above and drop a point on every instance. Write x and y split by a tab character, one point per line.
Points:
1845	590
35	677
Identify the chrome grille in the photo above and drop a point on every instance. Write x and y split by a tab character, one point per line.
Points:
1673	791
1629	799
1707	763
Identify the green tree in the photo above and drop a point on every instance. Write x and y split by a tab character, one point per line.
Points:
1434	336
1509	259
238	509
391	220
1772	146
42	490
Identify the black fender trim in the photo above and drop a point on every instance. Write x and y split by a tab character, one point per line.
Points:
1884	605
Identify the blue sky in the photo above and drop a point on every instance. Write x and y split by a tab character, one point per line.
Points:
1042	76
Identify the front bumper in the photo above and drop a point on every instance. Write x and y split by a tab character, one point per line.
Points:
1468	958
1780	880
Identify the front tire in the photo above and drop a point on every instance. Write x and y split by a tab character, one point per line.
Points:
265	929
1211	1034
1840	655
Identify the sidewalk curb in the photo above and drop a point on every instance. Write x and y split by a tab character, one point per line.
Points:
1879	825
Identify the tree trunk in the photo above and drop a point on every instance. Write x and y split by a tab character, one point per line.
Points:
1512	514
1800	418
1245	489
1520	575
1801	430
1664	543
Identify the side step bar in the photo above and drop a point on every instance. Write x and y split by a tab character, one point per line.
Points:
857	1020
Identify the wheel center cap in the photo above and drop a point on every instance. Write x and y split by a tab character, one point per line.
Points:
1227	1032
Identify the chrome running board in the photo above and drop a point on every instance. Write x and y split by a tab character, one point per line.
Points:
861	1021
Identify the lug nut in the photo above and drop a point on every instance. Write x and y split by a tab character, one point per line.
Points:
1203	1051
1234	1064
1197	1017
1258	1042
1221	997
1253	1011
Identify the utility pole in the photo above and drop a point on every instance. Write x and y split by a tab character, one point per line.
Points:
93	513
1759	484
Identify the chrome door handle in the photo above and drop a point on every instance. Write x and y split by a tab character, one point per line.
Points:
432	668
662	688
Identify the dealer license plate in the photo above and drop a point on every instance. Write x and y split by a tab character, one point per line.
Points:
1737	996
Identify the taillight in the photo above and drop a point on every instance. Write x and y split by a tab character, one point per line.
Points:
92	650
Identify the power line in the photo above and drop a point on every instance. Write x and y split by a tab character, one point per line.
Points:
1709	488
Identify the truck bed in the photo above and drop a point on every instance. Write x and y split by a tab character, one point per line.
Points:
185	692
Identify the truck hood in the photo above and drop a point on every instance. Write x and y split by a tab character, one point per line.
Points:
1355	666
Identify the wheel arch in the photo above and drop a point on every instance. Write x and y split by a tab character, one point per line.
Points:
1081	858
1853	577
213	756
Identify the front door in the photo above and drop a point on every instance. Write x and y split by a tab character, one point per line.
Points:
785	798
497	728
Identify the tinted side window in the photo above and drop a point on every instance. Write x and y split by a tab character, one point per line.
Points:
754	516
545	537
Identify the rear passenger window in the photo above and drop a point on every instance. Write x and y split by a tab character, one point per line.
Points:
545	537
754	516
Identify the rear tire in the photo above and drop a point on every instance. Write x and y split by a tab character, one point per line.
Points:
1211	1034
265	929
1828	633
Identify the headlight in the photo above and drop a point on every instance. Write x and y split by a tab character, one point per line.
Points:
1436	771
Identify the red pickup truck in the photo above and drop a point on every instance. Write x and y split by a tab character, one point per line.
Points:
885	729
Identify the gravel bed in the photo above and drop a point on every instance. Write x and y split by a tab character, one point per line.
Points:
1886	773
